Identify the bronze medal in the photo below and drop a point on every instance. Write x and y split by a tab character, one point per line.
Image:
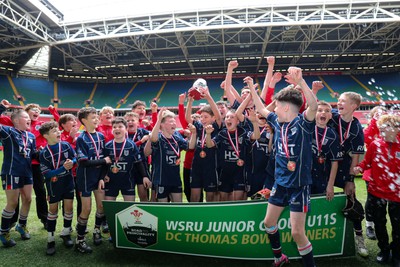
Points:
54	179
291	166
321	160
240	162
115	169
177	162
203	154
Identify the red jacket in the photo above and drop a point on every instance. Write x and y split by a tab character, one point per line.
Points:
152	122
107	131
67	138
383	159
41	142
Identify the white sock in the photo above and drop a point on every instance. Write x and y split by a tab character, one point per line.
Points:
50	237
65	231
369	224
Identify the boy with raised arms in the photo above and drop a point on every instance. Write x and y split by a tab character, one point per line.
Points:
204	174
231	143
293	142
166	145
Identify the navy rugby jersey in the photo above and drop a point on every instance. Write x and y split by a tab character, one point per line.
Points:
226	152
299	136
353	141
166	167
210	152
18	149
330	152
126	159
52	158
86	149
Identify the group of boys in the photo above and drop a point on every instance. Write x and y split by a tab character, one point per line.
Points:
265	141
86	162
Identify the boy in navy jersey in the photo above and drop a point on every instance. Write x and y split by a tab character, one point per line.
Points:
257	154
231	143
56	162
91	169
293	144
69	133
204	174
166	145
16	172
126	159
139	136
351	141
326	153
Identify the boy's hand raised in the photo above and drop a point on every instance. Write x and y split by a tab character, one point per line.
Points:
233	64
294	75
209	129
5	103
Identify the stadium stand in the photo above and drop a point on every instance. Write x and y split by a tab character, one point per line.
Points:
143	91
35	90
5	90
74	94
109	94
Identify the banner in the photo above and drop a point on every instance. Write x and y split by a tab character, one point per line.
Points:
226	230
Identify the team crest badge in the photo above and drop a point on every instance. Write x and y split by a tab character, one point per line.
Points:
161	189
126	153
273	191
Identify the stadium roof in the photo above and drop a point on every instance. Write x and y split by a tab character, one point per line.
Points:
130	42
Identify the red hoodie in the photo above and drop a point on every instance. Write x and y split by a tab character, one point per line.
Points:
383	159
107	131
41	142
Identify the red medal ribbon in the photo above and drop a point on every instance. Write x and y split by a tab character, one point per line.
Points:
203	139
94	144
134	137
177	152
285	143
52	156
25	140
320	142
346	134
116	158
235	147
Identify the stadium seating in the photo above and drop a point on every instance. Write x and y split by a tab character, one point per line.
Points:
74	94
5	90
